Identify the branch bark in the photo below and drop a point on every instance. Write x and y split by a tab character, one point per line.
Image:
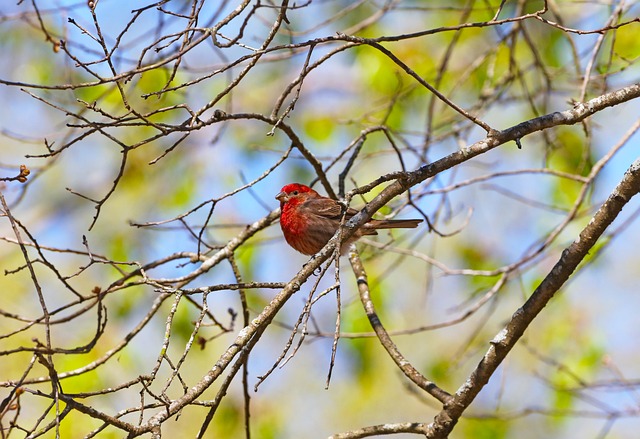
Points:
506	339
403	182
405	366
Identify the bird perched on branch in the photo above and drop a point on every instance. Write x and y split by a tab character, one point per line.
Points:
309	220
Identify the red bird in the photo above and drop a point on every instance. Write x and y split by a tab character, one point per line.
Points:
309	220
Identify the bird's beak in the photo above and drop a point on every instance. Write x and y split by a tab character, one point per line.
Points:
282	197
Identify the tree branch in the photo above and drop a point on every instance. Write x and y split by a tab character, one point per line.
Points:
405	366
506	339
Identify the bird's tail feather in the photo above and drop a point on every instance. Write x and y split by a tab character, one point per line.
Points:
394	224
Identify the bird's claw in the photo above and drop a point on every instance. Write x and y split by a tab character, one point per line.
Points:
317	271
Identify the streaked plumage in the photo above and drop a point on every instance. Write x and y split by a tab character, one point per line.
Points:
308	220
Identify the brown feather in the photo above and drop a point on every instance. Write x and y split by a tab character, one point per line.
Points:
308	220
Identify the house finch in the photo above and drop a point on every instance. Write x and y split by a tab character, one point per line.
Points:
309	220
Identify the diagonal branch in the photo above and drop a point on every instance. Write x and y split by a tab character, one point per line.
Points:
405	366
506	339
403	182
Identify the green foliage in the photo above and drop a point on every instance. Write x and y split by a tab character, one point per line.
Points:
576	368
485	429
246	261
182	325
229	419
377	70
439	371
119	248
556	49
476	256
75	421
625	47
363	356
565	192
84	383
362	352
124	304
572	355
270	426
597	251
181	192
319	128
105	96
571	154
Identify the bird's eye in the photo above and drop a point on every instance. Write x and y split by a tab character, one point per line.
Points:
295	192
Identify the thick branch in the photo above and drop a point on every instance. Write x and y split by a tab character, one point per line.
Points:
506	339
383	429
496	138
242	341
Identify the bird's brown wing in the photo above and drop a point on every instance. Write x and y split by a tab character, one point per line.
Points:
331	210
327	208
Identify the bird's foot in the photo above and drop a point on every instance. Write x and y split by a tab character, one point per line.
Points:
317	271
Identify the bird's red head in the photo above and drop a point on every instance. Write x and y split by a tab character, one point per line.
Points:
293	191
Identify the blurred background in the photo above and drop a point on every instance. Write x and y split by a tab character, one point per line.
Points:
113	111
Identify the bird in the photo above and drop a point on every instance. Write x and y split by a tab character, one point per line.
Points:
309	220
